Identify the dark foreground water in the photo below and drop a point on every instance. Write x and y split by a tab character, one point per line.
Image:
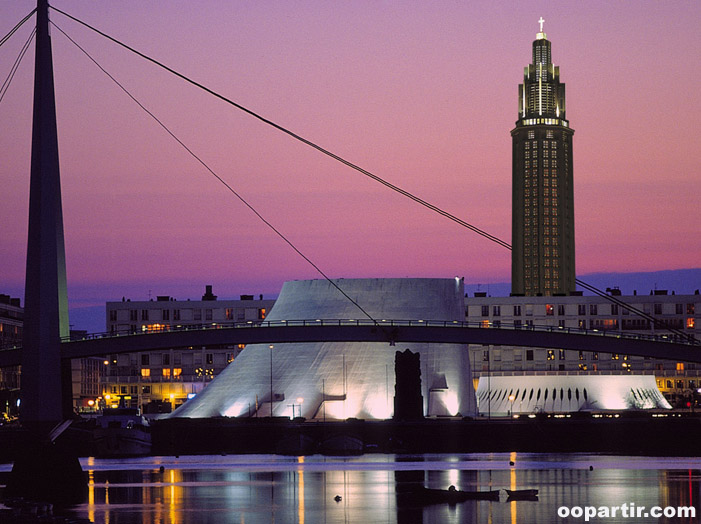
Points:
256	489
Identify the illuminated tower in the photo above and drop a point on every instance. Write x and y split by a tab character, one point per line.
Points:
542	260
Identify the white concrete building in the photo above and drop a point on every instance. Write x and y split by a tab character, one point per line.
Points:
342	380
678	381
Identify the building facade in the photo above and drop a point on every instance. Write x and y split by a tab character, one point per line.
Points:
678	381
160	381
11	322
543	255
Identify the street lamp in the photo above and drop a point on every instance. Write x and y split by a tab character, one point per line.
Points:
271	382
299	401
511	399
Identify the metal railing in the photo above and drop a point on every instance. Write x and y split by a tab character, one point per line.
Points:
481	324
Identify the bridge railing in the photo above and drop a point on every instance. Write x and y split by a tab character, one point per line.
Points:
481	324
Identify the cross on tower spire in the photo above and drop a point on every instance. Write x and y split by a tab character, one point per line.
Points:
541	22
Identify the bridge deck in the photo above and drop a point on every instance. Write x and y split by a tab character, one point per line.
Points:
660	346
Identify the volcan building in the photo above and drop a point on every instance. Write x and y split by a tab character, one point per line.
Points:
542	183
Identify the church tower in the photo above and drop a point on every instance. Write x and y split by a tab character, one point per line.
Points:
542	183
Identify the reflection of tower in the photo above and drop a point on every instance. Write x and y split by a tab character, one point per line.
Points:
542	183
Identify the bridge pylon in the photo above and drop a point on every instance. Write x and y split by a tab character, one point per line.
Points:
42	470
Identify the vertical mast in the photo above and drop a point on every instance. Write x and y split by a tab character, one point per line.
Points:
45	299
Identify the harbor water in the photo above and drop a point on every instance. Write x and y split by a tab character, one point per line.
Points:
256	489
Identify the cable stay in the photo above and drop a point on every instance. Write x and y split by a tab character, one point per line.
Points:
19	24
215	175
294	135
353	166
15	66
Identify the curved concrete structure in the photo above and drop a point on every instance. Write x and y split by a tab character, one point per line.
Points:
562	394
342	380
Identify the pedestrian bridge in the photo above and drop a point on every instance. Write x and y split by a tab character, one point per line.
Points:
386	331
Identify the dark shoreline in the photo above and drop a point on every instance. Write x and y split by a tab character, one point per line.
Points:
632	433
628	434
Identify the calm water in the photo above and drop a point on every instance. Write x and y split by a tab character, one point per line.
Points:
256	489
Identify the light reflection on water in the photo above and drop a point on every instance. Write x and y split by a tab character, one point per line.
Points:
253	489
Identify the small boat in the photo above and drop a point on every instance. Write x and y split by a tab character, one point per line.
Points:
522	494
450	496
122	432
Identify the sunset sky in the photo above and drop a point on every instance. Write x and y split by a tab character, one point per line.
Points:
423	94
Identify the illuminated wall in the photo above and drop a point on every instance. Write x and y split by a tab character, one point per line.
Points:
343	380
561	394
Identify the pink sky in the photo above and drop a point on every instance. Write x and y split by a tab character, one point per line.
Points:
423	94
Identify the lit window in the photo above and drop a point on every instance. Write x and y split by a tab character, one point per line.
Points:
551	354
549	309
145	372
177	372
680	367
166	372
690	323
